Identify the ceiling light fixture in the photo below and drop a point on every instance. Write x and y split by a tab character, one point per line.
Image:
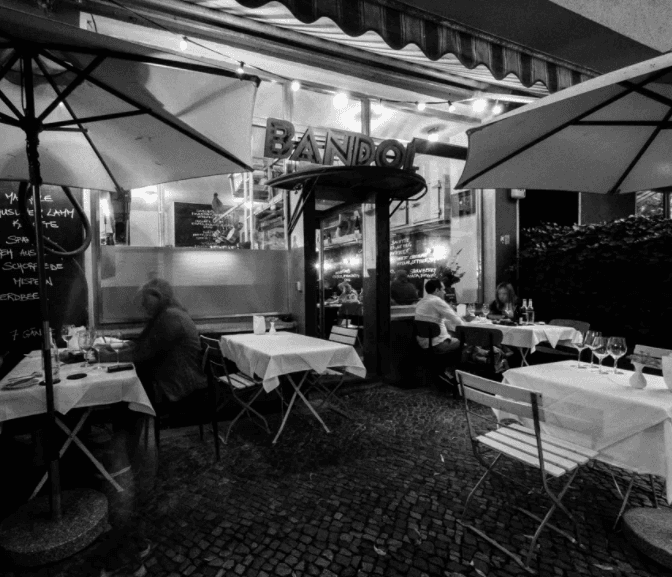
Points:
421	106
295	86
241	69
183	43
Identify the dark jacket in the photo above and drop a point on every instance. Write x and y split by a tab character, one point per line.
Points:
168	351
403	292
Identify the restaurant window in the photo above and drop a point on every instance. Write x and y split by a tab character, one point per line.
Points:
650	203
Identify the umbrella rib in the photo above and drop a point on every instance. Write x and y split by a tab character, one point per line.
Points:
649	93
63	94
57	90
576	120
88	119
641	152
3	70
6	119
621	123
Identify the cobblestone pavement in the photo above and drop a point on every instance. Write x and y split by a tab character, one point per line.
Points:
379	496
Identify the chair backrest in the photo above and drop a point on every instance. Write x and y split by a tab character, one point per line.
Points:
214	364
485	337
427	330
652	351
343	335
581	326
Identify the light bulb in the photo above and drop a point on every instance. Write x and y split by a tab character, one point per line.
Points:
248	204
240	70
451	107
295	86
480	104
421	106
340	100
497	109
378	108
433	137
184	44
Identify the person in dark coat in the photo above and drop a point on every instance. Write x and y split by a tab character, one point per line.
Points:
402	290
168	351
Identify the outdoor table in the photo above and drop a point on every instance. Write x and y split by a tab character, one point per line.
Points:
526	337
631	428
269	356
98	388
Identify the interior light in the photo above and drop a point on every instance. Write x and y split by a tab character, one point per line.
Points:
295	86
497	108
241	69
248	204
480	104
440	252
451	107
183	43
433	137
421	106
340	100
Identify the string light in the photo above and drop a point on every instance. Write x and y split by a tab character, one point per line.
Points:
480	104
451	107
421	106
378	108
295	86
433	137
241	69
183	43
497	109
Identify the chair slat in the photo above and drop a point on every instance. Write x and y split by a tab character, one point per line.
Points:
548	444
529	445
590	453
494	388
521	456
652	351
514	407
345	340
348	331
239	381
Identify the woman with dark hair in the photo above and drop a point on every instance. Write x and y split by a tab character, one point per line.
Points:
167	354
505	303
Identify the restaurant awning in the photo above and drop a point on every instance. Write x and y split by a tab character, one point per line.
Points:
401	27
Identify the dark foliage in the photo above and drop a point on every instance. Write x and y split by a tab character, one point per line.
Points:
615	275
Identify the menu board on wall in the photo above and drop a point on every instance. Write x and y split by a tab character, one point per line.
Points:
194	224
66	283
343	264
419	253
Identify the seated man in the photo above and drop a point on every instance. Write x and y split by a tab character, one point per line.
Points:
433	308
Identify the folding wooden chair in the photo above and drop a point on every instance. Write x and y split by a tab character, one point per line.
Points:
346	336
243	388
553	458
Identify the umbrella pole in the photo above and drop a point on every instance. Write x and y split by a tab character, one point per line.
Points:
32	143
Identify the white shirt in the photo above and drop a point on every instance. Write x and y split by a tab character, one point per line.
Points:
434	309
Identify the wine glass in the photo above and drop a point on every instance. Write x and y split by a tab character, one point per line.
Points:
617	347
85	339
485	310
599	347
471	309
508	311
579	344
588	341
117	343
66	333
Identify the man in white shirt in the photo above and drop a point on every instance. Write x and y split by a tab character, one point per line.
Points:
434	309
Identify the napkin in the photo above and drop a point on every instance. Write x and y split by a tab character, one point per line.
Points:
73	340
107	341
666	361
258	325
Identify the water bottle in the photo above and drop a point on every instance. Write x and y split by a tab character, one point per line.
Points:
530	313
522	319
55	361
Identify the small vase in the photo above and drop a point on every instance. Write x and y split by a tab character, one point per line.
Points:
272	330
638	380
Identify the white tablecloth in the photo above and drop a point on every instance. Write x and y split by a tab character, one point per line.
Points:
631	428
529	336
268	356
97	388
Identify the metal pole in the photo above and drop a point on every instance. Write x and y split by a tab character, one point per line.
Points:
32	130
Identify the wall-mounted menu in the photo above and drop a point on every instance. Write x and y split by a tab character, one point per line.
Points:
343	263
66	283
420	253
194	224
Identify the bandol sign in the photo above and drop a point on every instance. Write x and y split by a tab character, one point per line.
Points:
351	148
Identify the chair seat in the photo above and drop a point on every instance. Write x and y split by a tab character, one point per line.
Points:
520	443
240	381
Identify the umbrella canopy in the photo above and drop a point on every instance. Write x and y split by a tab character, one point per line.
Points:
130	116
612	134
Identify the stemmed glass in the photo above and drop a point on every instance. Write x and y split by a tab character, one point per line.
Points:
471	309
579	344
66	333
617	347
599	347
117	343
85	340
588	341
508	311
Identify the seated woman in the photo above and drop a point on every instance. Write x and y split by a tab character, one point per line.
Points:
167	354
505	303
348	294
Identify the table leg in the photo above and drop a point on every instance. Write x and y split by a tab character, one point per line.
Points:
523	355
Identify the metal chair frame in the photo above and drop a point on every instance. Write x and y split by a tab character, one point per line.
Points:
552	457
484	337
244	389
430	330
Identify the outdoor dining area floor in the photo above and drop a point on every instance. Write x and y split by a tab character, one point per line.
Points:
380	495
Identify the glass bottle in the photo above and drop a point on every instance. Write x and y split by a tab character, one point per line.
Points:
530	313
55	361
522	319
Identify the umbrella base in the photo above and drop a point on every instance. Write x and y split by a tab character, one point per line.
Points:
30	538
650	531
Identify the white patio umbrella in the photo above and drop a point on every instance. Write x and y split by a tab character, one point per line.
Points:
611	134
80	109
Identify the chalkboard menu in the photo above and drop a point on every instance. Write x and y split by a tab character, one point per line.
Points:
194	224
19	292
419	253
343	264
